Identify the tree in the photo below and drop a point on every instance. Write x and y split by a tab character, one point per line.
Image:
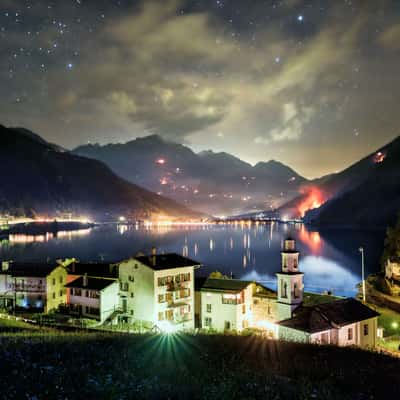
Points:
217	275
392	244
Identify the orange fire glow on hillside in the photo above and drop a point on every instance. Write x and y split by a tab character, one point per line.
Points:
314	199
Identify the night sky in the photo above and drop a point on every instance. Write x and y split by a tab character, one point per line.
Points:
314	84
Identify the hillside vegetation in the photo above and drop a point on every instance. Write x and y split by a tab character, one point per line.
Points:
46	364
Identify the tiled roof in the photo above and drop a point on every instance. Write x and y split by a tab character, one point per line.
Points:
101	270
328	315
92	283
35	270
228	285
166	261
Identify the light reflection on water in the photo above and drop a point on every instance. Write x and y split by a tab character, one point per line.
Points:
330	260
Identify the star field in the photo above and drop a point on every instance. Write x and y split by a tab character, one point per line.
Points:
313	84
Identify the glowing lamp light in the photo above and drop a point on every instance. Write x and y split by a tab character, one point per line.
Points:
160	161
168	328
395	324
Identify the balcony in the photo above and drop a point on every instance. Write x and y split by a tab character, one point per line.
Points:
174	286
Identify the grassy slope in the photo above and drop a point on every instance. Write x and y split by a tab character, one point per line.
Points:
50	364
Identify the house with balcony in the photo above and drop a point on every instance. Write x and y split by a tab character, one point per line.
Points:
158	291
35	286
95	298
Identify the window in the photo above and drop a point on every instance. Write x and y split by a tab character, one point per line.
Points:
350	334
54	281
365	329
295	291
227	325
208	308
255	301
269	309
208	322
244	309
161	298
61	279
132	294
160	316
124	286
61	292
284	288
54	295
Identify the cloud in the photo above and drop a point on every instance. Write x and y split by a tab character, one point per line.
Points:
390	38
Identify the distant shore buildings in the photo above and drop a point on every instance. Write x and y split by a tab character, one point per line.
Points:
162	293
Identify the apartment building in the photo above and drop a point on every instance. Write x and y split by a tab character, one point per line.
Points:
33	285
158	290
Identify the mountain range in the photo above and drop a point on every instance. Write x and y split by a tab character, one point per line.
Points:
120	179
42	178
214	183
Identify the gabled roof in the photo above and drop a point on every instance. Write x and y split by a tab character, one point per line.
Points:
224	285
101	270
92	283
330	315
34	270
160	262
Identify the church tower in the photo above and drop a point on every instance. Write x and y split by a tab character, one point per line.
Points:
289	281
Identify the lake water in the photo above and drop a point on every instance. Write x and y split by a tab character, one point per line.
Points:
330	260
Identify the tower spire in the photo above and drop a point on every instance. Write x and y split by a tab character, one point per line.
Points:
289	280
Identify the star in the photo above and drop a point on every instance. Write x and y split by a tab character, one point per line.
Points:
70	66
300	18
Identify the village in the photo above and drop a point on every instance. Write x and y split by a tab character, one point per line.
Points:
164	293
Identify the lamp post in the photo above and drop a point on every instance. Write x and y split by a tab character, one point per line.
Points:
361	250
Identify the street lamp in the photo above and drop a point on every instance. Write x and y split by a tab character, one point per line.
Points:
361	250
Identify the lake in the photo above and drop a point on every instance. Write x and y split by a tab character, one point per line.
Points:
329	259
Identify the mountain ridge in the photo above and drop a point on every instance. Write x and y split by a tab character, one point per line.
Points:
47	179
209	181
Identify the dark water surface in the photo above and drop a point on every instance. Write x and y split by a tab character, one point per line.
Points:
330	260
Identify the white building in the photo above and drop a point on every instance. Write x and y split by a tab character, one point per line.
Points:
96	298
158	291
344	322
32	285
232	304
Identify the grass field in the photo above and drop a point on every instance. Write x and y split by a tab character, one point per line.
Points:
47	364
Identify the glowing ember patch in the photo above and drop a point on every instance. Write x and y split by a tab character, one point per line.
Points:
379	157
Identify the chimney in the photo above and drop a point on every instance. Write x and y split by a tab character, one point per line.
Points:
85	280
153	255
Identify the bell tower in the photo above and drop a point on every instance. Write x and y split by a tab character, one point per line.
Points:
289	281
